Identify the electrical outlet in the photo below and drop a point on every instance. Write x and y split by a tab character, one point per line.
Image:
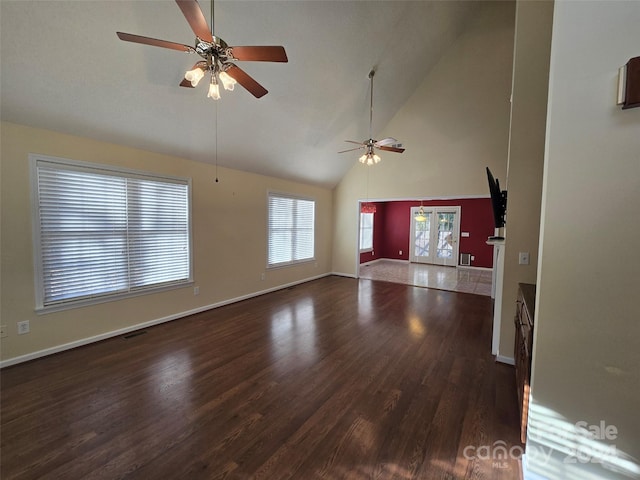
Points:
196	290
473	258
262	276
3	331
523	258
23	327
399	252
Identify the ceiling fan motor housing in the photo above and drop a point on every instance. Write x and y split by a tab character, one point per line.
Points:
216	52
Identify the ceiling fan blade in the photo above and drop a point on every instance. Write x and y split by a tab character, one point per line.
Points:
186	83
353	141
193	13
128	37
246	81
391	149
260	54
352	149
385	141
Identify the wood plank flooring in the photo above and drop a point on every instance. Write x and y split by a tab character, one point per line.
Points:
335	378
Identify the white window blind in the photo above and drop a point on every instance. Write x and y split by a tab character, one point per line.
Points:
103	232
366	232
291	230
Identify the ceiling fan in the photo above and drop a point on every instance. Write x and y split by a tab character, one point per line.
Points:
217	56
370	157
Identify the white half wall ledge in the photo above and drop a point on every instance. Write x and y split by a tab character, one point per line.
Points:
176	316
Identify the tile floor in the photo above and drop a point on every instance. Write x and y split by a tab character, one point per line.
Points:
458	279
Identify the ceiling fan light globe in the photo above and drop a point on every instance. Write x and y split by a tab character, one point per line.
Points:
228	82
363	159
376	158
214	91
194	76
370	160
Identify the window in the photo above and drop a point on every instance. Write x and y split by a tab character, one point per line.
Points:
102	232
366	232
291	230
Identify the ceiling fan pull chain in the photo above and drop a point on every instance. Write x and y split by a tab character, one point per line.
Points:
216	140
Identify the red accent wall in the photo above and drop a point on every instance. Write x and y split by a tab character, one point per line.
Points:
394	220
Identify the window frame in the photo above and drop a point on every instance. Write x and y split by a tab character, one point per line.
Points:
35	160
373	219
278	194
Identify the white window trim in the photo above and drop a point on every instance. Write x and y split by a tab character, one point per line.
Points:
366	250
271	193
78	165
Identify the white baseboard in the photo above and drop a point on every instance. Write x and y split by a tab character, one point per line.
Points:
364	264
150	323
470	267
507	360
340	274
398	260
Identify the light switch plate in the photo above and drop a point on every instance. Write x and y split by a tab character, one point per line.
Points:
523	258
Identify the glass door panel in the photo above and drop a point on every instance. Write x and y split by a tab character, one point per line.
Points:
447	235
421	240
421	235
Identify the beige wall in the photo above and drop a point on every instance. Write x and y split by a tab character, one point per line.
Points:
586	356
526	155
453	126
229	240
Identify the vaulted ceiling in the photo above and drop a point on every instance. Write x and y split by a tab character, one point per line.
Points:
64	69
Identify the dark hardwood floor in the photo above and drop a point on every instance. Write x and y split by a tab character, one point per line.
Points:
336	378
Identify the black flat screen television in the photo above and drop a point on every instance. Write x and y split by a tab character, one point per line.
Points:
498	201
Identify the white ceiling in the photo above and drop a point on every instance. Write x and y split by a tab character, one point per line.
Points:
64	69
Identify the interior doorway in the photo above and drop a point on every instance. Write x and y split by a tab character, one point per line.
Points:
460	225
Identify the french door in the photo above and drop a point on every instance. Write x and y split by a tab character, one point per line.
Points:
434	235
